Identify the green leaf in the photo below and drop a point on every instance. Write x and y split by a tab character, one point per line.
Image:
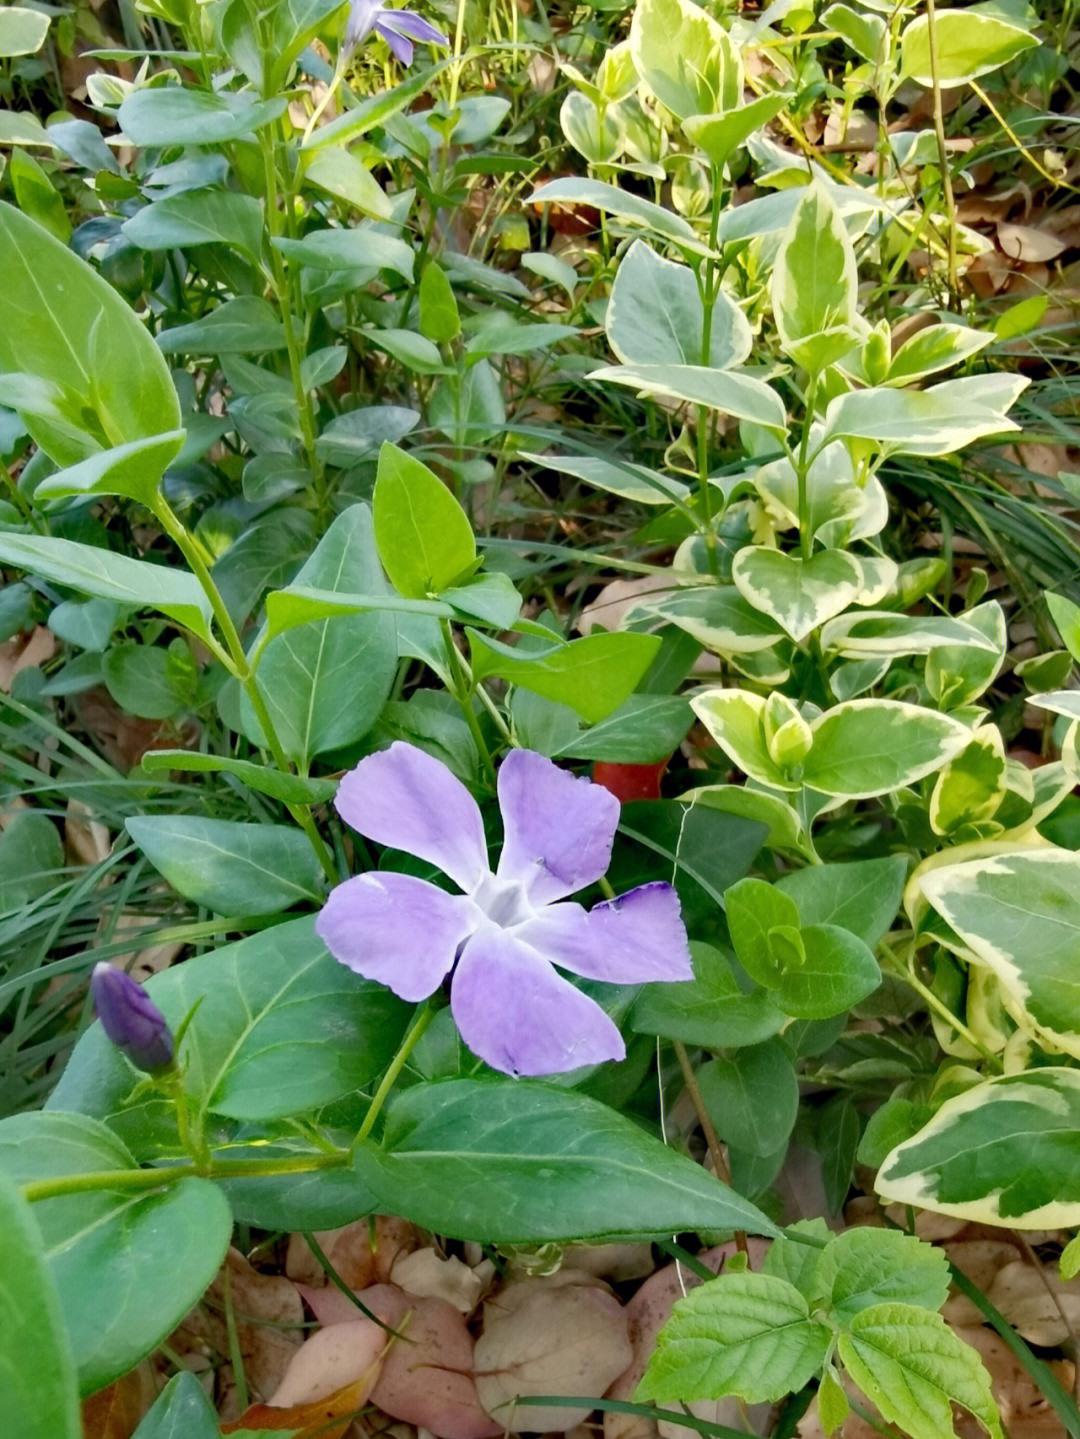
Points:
149	681
833	1404
288	788
837	971
866	36
747	1334
41	1398
721	135
618	477
967	44
711	848
490	598
22	32
439	318
357	434
815	275
344	176
281	1029
36	195
870	747
462	1156
133	470
612	200
128	1265
325	684
655	316
912	1366
799	594
424	537
92	345
754	908
177	115
937	421
373	110
861	895
361	247
710	1010
866	1266
728	391
753	1099
685	58
231	867
645	729
111	577
1066	617
181	1411
31	859
592	676
199	217
288	609
247	324
836	1140
996	906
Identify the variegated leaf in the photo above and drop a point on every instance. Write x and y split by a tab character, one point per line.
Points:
798	594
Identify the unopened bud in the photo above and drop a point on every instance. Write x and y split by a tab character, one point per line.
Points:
130	1018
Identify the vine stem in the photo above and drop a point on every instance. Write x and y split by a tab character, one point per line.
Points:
397	1064
238	663
463	694
137	1179
712	1139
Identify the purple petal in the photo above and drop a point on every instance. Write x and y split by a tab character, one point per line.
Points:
558	830
635	939
396	929
519	1016
407	22
399	44
405	798
362	17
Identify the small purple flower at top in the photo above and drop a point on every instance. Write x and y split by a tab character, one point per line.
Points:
399	28
503	935
130	1018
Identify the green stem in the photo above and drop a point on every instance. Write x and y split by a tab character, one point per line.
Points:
237	662
463	689
136	1179
389	1079
710	292
907	973
943	155
802	470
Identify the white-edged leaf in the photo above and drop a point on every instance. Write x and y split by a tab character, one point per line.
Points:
727	391
798	594
869	747
655	316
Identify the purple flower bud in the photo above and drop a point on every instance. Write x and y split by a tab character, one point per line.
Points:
130	1018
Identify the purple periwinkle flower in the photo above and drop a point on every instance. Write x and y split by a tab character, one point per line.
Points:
399	28
503	935
130	1018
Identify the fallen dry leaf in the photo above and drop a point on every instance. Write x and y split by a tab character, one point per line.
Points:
315	1419
24	652
427	1274
360	1257
116	1411
332	1359
1043	1308
544	1338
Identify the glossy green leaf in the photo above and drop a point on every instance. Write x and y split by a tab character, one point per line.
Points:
128	1264
361	247
22	31
133	470
31	858
281	1029
246	324
358	434
815	275
41	1397
199	217
462	1157
861	895
288	788
710	1010
181	1411
913	1367
178	115
799	594
347	178
424	537
91	344
613	200
111	576
645	729
625	478
752	1099
655	316
998	906
439	318
748	1334
754	908
864	33
592	676
150	681
869	747
1005	1152
728	391
685	57
721	135
836	971
230	867
968	43
324	684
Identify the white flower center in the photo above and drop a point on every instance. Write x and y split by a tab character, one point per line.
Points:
504	901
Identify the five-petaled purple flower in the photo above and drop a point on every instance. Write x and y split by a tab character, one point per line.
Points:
130	1017
504	933
399	28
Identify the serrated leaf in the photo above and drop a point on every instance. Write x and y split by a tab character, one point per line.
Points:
748	1334
912	1366
866	1266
